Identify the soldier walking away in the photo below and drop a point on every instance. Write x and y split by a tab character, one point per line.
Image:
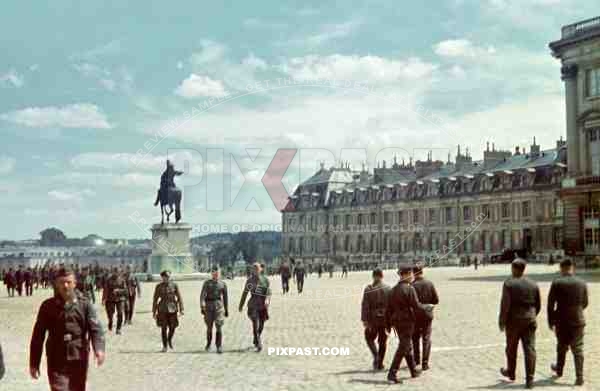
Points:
402	305
214	307
113	297
133	290
11	281
166	304
85	285
258	305
20	277
567	299
344	270
330	267
476	262
427	295
284	272
299	273
374	304
71	324
519	308
28	280
320	269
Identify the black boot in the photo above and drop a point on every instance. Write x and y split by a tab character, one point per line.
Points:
579	369
557	370
410	362
208	340
391	377
219	342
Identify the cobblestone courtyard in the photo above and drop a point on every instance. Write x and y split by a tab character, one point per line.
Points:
468	347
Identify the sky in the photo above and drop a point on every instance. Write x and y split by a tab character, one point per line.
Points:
95	96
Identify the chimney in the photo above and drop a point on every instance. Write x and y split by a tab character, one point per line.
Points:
534	149
517	150
560	143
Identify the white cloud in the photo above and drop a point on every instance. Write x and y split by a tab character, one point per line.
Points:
461	48
331	32
7	165
254	62
11	79
198	86
77	196
365	68
79	115
211	52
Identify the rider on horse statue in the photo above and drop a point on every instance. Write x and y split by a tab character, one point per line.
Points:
168	193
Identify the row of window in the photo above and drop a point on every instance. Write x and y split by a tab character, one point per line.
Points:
519	210
483	241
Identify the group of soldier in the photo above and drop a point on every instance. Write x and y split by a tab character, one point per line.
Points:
408	309
70	322
520	305
16	280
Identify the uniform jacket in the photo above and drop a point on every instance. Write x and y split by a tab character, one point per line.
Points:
258	287
133	285
115	289
567	299
403	303
214	295
520	301
70	329
374	304
427	295
167	298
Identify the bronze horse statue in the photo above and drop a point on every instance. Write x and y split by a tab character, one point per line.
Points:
168	195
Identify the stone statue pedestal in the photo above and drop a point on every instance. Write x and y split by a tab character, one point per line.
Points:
171	249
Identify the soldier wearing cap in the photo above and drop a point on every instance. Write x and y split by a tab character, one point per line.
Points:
374	304
427	295
71	324
214	307
165	305
133	290
567	299
114	296
403	303
85	285
258	305
299	273
520	305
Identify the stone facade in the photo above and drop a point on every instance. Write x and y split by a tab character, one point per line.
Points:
579	52
429	208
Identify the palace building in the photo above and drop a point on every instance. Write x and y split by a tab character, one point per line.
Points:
579	52
430	210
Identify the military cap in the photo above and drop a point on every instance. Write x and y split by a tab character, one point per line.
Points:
165	273
215	268
377	272
405	268
418	267
567	262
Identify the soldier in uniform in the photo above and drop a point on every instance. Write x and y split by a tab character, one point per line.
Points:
519	308
71	324
374	304
299	273
133	289
567	299
20	277
403	303
284	271
113	297
28	280
85	285
2	369
165	305
427	295
258	287
214	307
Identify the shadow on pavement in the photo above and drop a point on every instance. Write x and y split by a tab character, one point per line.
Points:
592	277
356	372
367	381
506	385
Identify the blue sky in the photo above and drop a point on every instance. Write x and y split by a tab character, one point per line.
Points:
84	87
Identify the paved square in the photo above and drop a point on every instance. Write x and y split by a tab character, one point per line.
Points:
468	347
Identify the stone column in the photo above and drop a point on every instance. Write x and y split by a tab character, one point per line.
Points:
584	156
569	75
